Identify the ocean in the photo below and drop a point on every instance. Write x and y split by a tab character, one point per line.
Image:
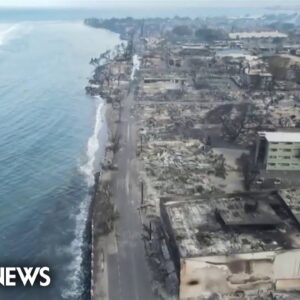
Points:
52	138
72	14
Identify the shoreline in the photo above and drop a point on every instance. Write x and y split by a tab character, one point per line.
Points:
88	261
95	240
102	211
99	242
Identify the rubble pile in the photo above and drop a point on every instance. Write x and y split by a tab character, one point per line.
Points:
180	167
171	121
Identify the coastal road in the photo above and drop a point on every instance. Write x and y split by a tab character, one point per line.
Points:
128	273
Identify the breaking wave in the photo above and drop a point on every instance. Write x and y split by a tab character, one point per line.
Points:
10	32
87	169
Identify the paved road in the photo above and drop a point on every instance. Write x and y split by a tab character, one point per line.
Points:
128	274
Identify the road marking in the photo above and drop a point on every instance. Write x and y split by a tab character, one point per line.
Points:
128	132
115	244
127	183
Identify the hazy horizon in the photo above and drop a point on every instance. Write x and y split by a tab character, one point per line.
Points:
138	4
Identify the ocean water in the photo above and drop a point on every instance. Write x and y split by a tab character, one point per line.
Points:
51	139
71	14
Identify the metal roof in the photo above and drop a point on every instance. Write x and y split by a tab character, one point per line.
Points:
281	136
263	34
287	265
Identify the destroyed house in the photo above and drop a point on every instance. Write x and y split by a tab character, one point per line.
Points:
175	61
291	201
278	151
168	79
257	35
257	79
201	50
240	242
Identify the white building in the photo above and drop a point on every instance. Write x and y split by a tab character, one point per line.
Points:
278	151
257	35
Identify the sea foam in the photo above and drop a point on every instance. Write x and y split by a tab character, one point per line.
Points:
9	32
87	170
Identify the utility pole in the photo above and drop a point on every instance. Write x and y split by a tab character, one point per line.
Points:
150	231
142	192
141	143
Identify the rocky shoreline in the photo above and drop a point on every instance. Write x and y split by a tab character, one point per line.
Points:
111	82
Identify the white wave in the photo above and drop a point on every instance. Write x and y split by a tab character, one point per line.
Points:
88	168
75	287
10	32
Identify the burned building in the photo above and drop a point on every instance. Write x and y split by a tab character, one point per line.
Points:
194	49
167	79
256	35
175	61
240	243
258	79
